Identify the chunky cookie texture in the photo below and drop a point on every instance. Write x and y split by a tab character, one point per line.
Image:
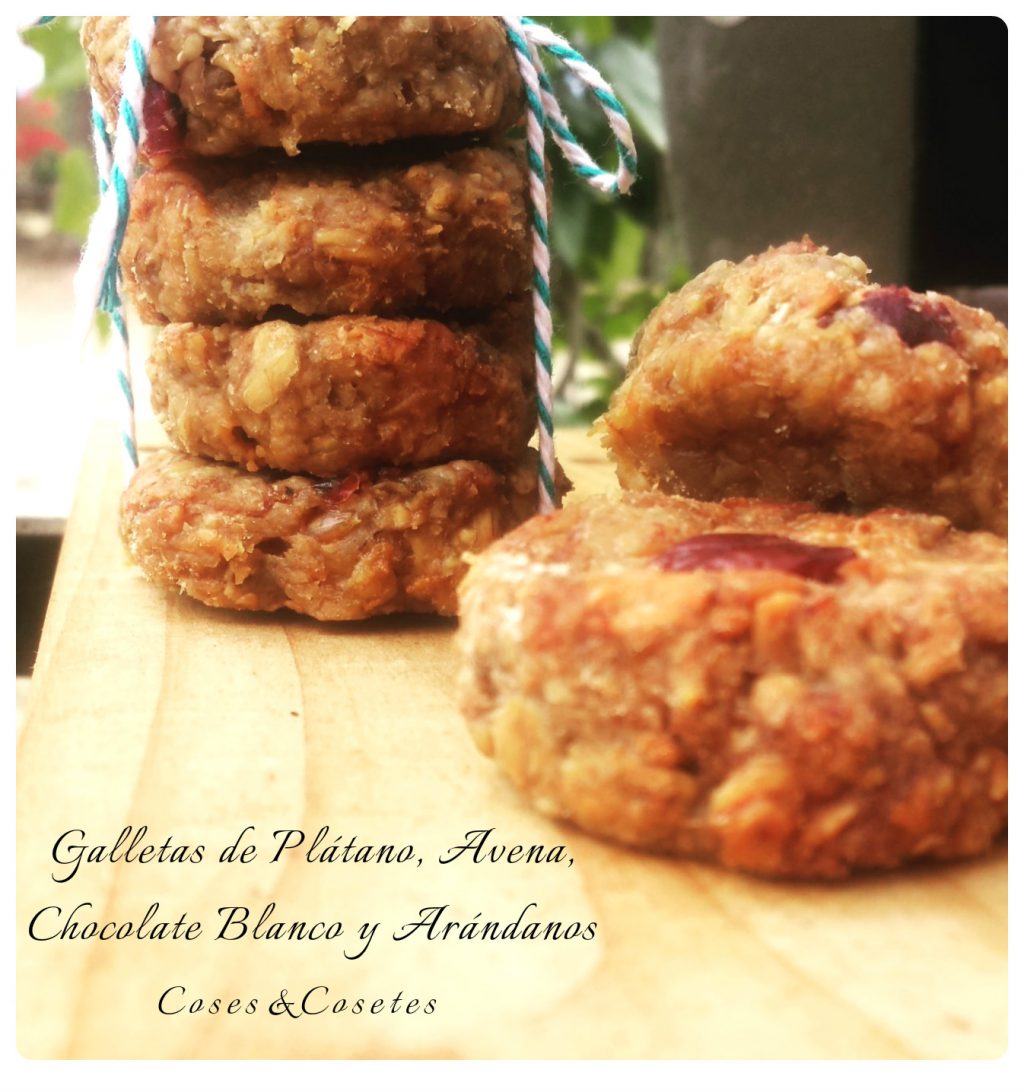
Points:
348	393
377	232
224	84
373	542
790	376
789	692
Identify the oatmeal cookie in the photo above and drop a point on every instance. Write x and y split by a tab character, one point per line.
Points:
790	376
373	232
345	393
789	692
373	542
223	84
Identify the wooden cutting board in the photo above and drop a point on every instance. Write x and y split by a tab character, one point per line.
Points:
150	711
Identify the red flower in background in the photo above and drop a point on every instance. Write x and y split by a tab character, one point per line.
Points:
35	130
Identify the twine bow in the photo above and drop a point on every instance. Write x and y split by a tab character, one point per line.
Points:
97	281
543	112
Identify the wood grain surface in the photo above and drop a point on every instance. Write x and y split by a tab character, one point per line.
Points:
150	710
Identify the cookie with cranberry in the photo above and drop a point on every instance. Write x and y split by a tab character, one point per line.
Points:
788	692
790	376
373	542
224	84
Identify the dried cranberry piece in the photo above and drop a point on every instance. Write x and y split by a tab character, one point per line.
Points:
915	319
164	120
724	552
338	490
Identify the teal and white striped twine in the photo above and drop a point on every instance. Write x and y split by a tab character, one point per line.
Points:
97	279
543	112
573	151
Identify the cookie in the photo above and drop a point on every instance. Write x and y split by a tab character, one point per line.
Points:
373	542
789	692
790	376
379	232
224	84
342	394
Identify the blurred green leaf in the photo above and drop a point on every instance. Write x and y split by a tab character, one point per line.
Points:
569	224
581	31
626	254
624	322
61	50
75	196
104	327
567	416
633	73
677	277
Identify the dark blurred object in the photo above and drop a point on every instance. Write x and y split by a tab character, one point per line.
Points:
784	126
960	225
994	298
883	137
36	561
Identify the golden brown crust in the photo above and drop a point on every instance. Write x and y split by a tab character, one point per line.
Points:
779	724
246	82
226	241
346	393
787	376
375	542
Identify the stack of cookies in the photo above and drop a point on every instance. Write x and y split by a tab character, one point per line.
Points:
784	648
333	236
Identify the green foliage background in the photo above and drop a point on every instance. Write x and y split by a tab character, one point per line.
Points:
74	192
613	259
